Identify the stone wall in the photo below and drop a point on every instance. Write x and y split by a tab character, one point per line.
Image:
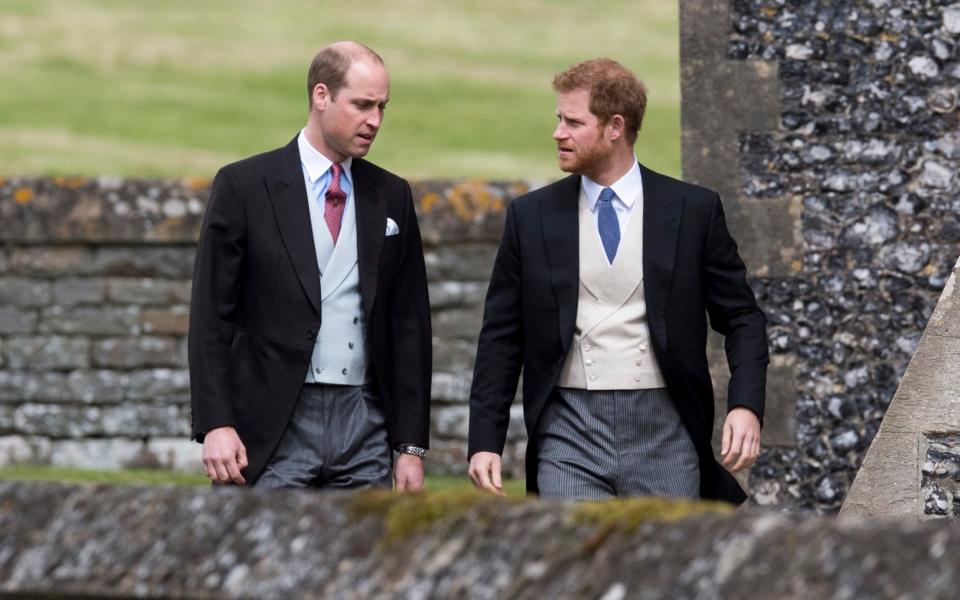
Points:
912	469
107	542
940	485
94	297
831	130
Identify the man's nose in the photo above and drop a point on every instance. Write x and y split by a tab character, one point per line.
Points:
559	132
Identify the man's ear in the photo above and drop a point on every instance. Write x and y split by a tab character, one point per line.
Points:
617	127
321	96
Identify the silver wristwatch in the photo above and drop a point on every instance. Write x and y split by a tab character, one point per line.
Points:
411	449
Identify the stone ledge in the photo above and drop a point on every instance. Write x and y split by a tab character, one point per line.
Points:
65	541
75	210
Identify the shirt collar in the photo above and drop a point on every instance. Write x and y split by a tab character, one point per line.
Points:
315	163
627	188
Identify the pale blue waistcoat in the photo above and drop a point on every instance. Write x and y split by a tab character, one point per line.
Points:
339	354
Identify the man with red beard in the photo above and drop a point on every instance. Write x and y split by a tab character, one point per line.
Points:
309	341
600	294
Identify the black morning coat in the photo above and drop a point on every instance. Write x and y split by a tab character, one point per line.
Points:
691	270
255	308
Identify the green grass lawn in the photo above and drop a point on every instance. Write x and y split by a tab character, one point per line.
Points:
514	487
178	88
122	477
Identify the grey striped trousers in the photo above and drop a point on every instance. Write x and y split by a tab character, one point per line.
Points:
336	438
595	445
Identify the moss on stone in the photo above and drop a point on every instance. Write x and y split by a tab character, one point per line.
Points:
407	514
626	514
629	513
410	513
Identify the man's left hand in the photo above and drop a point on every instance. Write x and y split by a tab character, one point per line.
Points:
741	439
408	473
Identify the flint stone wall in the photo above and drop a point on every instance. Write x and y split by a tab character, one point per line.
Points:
913	466
831	131
63	541
940	486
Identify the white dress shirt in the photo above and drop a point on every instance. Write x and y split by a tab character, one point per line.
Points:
629	191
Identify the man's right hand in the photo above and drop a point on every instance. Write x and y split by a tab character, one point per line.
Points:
224	456
485	472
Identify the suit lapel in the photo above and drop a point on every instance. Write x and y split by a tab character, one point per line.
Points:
559	218
371	225
662	211
288	193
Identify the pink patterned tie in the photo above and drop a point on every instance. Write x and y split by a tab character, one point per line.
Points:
336	201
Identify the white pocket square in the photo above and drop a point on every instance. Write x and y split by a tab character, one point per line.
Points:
392	228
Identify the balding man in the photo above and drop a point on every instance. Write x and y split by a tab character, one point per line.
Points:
309	342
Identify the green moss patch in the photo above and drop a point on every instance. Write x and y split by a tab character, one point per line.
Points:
631	512
410	513
626	514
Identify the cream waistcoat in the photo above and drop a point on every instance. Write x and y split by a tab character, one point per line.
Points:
611	341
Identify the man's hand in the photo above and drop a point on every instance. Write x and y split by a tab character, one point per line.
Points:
485	472
224	456
741	439
408	473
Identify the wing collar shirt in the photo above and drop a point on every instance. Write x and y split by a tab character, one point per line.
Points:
629	191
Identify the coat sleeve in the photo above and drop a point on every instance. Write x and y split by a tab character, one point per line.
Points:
213	305
411	336
500	349
734	313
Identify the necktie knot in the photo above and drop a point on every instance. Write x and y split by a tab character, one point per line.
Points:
607	195
335	204
335	194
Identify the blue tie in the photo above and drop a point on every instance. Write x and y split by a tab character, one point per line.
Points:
608	224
